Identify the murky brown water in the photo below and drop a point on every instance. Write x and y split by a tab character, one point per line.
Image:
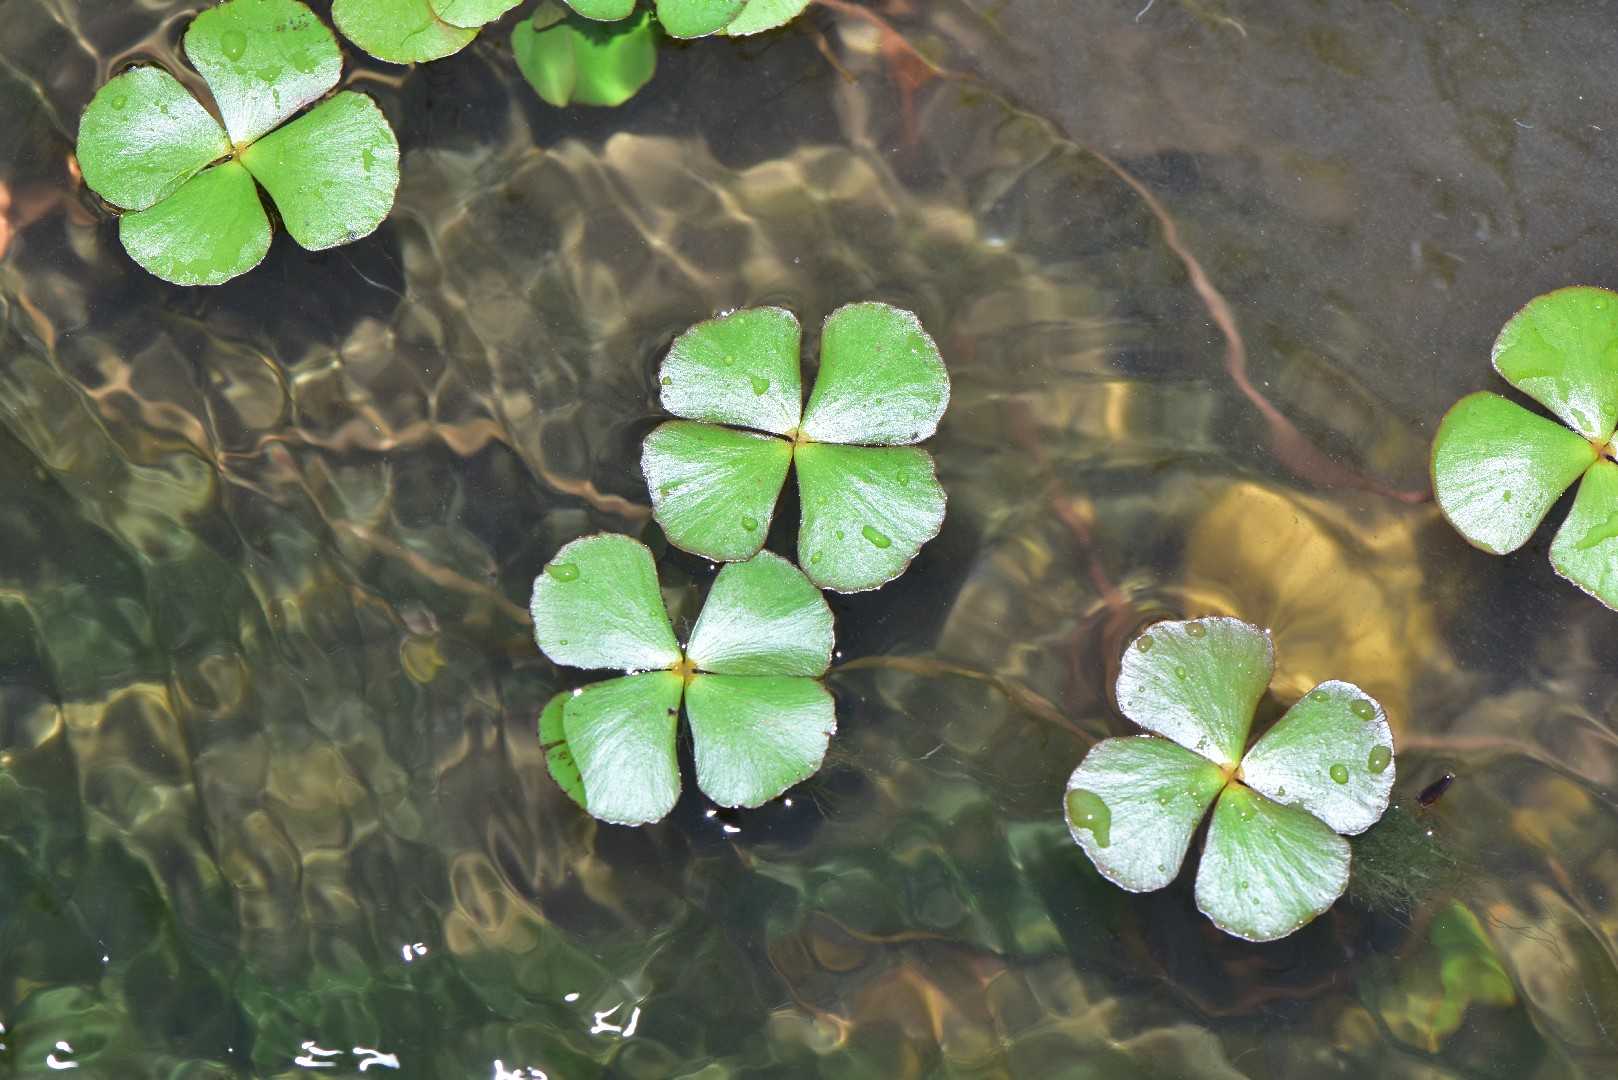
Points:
268	766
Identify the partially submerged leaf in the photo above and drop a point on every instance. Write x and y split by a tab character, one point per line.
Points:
882	381
1267	869
739	369
753	737
603	10
553	743
572	61
1197	682
867	511
597	604
264	60
714	488
762	617
761	15
696	18
1585	550
1498	468
1133	805
471	14
332	172
1561	350
399	31
621	734
209	231
1331	754
142	136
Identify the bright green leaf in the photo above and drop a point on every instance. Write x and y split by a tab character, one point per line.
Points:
696	18
1267	869
1197	682
1585	550
209	231
143	136
399	31
755	737
621	734
882	381
1331	754
1133	805
1498	468
761	15
737	369
603	10
471	14
264	60
713	488
553	743
545	57
1562	351
867	511
762	617
597	605
332	172
577	62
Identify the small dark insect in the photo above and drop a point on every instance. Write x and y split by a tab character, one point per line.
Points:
1435	790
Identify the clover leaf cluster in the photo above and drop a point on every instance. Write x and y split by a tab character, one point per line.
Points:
748	677
870	499
1498	468
1274	857
188	183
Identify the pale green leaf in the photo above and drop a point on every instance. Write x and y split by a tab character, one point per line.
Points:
597	605
621	734
143	136
696	18
1133	805
761	15
762	617
399	31
713	488
754	737
471	14
209	231
1267	869
1197	682
603	10
332	172
264	60
1498	468
577	62
1562	351
740	369
867	511
1585	550
553	743
882	381
1331	754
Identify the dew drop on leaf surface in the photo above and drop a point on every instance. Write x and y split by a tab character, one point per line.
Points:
1165	796
1378	759
1179	673
761	385
749	523
1362	709
878	539
233	43
1599	533
1087	811
563	571
1145	643
1196	629
1339	774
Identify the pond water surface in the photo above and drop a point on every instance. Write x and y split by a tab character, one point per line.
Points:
1205	274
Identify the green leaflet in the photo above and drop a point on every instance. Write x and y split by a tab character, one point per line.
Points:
1197	683
471	14
209	231
867	511
755	736
264	60
739	369
399	31
1585	550
621	734
569	60
558	758
696	18
597	605
761	15
1561	350
143	136
714	488
882	381
603	10
762	617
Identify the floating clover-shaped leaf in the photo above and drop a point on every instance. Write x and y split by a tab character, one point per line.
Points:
193	215
570	60
869	500
1498	468
1273	859
760	719
415	31
699	18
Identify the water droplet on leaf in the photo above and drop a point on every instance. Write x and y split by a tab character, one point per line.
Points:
876	538
1180	673
1362	709
563	571
1505	496
1145	643
1245	810
1599	533
1196	629
1086	810
668	380
1379	758
749	523
729	361
761	385
1339	774
233	43
1165	796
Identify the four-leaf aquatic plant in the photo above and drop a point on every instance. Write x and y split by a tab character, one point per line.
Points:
699	18
749	677
186	182
1498	468
869	499
1273	859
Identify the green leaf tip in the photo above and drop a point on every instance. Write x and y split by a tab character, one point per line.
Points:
1275	857
870	500
748	678
1498	468
189	186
